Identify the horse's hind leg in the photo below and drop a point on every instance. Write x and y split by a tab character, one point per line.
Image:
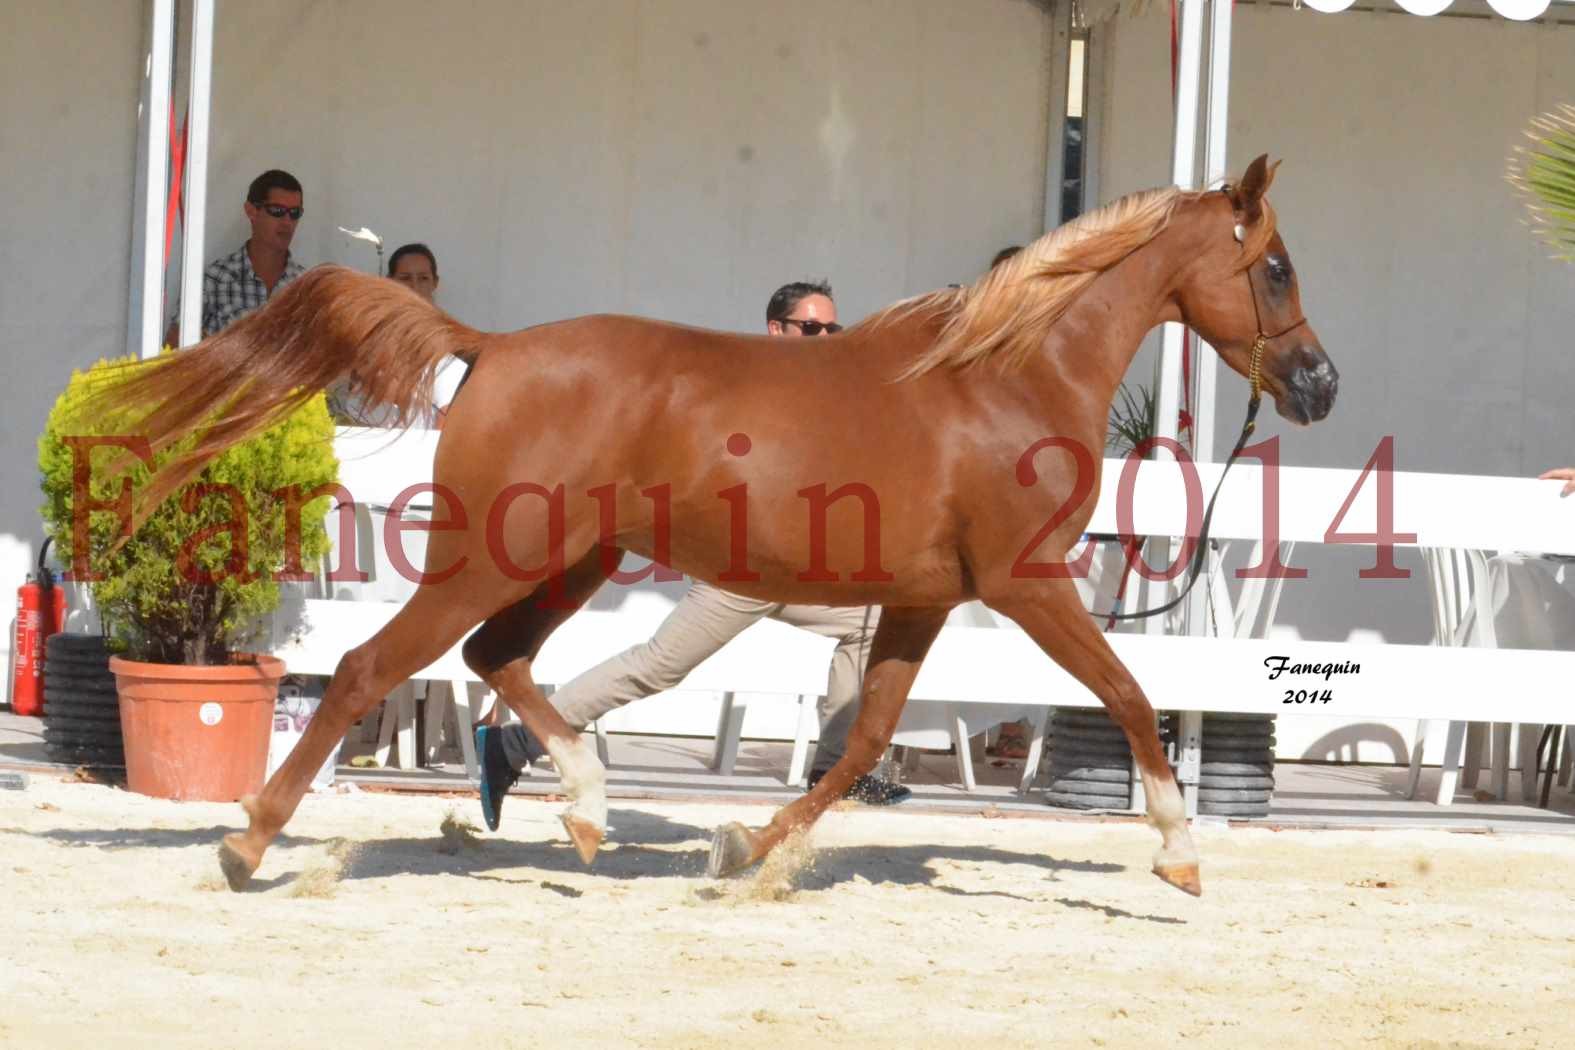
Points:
501	653
1054	617
901	640
419	633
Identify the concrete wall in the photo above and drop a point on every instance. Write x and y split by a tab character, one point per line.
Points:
68	108
673	159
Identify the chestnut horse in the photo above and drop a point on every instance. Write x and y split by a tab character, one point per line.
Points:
968	423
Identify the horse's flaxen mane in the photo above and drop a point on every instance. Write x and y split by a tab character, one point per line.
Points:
1007	313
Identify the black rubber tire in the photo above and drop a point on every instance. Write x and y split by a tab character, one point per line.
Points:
1064	785
62	670
1106	759
1237	761
1067	800
1238	732
81	719
54	711
1101	753
1216	783
77	683
61	715
1096	719
68	658
70	644
1107	764
1077	738
85	755
1237	717
75	654
90	737
1235	769
1101	733
83	700
87	704
70	744
1238	728
1104	774
1088	746
73	678
1233	809
1235	755
77	743
1253	795
92	698
1262	745
1086	723
93	757
71	724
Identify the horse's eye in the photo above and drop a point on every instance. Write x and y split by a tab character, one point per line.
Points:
1279	273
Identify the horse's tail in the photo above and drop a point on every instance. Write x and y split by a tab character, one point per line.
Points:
329	324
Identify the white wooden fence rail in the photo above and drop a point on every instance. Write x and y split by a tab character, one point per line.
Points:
999	665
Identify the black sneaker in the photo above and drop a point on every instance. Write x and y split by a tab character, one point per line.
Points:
870	790
497	776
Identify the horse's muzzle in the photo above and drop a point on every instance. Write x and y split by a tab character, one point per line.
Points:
1310	388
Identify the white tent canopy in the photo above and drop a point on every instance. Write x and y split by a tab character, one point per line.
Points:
1519	10
1095	11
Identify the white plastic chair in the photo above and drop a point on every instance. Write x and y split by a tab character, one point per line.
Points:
931	725
1457	579
730	733
1253	613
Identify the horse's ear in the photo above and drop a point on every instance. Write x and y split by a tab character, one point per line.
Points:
1247	196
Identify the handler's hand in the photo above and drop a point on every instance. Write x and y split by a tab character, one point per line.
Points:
1564	474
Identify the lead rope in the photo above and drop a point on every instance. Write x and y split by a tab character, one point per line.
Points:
1255	382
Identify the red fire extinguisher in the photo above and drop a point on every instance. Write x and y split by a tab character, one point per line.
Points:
40	612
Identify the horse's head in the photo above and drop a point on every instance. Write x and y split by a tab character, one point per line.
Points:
1241	296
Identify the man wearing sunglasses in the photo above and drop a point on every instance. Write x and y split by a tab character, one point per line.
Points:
703	621
247	278
802	308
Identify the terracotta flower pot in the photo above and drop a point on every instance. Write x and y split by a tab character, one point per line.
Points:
197	732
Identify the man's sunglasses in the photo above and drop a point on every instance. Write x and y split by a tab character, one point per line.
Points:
813	327
279	211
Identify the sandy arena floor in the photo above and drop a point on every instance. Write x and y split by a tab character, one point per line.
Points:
370	927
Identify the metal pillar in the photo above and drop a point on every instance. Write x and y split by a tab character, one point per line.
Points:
192	236
148	280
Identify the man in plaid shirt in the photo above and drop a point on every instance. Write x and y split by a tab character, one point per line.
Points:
238	283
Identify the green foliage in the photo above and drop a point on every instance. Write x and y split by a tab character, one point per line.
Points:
195	578
1545	173
1132	420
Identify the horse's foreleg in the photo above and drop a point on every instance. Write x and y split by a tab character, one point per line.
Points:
1054	617
418	634
900	642
501	653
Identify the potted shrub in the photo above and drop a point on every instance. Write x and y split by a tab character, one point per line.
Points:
185	594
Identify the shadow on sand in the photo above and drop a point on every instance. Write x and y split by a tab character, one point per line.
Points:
642	845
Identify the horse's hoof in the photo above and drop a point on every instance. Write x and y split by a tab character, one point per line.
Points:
732	850
235	861
1184	877
585	836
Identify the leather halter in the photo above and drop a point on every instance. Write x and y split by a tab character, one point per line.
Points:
1261	340
1255	380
